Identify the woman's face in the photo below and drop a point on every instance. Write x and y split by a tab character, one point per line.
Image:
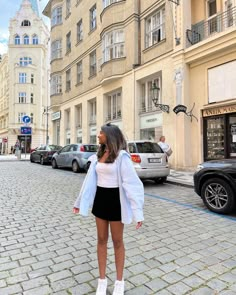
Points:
102	139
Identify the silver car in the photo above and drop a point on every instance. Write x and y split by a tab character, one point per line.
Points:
150	162
74	156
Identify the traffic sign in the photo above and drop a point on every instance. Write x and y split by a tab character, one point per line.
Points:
26	119
25	130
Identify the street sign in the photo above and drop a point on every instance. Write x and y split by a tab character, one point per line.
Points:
25	130
26	119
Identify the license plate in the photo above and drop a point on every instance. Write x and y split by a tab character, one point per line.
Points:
154	160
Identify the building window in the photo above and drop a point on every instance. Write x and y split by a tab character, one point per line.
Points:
68	80
26	40
109	2
155	28
17	40
146	95
20	117
35	40
113	106
56	50
25	23
79	72
212	16
22	78
68	7
32	79
92	112
93	63
25	61
93	18
22	97
31	118
56	85
113	45
31	98
79	31
56	18
68	42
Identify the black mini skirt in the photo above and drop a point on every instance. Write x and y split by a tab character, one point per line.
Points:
106	204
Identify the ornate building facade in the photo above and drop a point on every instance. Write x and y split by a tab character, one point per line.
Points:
26	68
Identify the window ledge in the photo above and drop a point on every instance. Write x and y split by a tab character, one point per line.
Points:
92	30
68	15
78	84
55	59
154	45
78	42
111	60
92	76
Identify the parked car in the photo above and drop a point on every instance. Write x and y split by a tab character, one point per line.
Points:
43	154
149	160
74	156
215	183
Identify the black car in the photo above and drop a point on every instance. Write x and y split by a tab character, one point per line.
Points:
43	154
215	183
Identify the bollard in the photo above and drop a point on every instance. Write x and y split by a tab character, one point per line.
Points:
19	155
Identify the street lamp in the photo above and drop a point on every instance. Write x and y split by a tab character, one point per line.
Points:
155	98
45	112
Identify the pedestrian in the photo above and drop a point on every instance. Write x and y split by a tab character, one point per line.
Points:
114	191
17	147
165	146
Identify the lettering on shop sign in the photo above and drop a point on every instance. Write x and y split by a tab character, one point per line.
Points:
151	120
219	111
182	108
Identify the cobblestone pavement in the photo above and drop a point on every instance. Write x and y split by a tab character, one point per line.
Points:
44	249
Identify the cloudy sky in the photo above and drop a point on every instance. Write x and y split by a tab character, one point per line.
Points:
8	10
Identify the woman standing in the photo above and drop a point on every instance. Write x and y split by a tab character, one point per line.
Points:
116	195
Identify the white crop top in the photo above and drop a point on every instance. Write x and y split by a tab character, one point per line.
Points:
107	174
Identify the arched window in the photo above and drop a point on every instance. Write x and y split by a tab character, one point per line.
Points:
25	61
17	40
26	39
25	23
35	39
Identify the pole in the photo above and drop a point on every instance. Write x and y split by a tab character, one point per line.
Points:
25	146
47	125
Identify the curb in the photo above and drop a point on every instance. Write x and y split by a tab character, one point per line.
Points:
184	184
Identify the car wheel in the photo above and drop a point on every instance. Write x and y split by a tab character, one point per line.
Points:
41	161
218	196
54	164
160	179
75	166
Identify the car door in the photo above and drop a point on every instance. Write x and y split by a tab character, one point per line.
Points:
69	156
39	153
61	158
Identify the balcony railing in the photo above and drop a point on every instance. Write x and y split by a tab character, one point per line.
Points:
213	25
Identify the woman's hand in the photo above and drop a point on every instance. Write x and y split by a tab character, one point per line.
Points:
139	224
75	210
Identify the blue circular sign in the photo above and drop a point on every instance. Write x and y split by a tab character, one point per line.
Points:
26	119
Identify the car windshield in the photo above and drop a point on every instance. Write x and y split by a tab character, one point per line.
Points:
53	147
90	148
148	147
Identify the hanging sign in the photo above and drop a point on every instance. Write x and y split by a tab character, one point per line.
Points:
180	108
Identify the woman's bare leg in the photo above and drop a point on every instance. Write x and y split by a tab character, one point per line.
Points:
102	236
117	229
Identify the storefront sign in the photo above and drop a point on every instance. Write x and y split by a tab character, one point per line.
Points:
151	121
56	116
219	111
180	108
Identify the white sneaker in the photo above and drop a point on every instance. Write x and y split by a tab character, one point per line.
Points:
119	288
102	287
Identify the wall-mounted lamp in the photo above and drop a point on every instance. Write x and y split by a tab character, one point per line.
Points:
155	98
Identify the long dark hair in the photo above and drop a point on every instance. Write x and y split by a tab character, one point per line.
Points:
115	142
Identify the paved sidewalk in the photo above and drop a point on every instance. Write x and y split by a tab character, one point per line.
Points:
183	178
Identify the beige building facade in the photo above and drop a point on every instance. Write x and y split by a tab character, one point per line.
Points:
24	80
109	59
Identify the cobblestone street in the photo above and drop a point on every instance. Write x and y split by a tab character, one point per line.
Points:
44	249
